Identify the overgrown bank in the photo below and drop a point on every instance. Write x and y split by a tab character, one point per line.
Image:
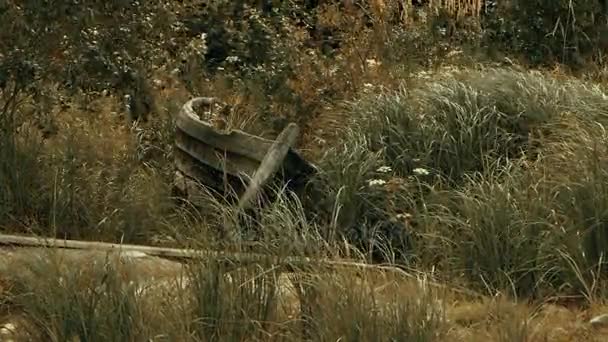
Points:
486	176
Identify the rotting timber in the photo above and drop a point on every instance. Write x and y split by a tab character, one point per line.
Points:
233	162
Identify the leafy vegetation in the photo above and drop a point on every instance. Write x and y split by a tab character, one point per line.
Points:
438	154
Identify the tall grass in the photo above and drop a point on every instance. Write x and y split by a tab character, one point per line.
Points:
87	304
333	311
85	182
500	171
18	154
216	301
521	214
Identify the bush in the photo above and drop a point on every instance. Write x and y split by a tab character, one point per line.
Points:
547	32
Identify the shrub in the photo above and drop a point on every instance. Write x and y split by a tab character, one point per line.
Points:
547	32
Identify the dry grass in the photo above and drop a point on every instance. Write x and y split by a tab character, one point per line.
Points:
358	306
459	8
504	212
165	303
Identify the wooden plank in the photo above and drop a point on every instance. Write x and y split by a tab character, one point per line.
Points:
207	177
236	141
270	164
221	160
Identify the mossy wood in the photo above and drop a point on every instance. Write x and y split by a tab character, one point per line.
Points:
234	161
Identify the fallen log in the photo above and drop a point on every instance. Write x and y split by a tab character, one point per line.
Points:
27	241
287	263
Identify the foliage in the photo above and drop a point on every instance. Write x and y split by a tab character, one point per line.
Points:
489	177
546	32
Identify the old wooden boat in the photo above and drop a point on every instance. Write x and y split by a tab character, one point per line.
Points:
232	161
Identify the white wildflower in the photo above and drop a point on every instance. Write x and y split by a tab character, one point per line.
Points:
421	171
384	169
422	16
232	59
376	182
423	75
372	63
454	53
405	216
